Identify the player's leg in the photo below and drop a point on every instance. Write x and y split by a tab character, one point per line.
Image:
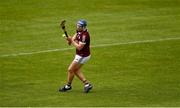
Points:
74	68
80	75
71	69
79	63
87	85
71	72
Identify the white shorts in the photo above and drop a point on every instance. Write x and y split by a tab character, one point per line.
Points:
81	60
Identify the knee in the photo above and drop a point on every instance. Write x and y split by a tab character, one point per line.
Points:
70	70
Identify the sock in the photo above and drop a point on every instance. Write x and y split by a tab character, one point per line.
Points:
69	83
85	82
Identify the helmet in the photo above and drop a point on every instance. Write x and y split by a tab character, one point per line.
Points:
82	23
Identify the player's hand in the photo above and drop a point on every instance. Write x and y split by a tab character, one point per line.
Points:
69	40
74	38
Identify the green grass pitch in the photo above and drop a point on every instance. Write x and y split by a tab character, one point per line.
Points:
129	69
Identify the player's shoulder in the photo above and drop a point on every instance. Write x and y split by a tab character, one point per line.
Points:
86	32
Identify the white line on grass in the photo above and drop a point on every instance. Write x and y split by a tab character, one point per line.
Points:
101	45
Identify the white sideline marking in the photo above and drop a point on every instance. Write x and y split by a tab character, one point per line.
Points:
136	42
101	45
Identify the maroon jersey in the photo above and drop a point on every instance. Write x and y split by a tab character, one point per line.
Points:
84	38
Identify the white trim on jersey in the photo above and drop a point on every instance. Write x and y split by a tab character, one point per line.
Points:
82	43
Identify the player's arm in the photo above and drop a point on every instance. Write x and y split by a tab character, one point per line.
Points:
70	38
74	37
79	45
69	41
